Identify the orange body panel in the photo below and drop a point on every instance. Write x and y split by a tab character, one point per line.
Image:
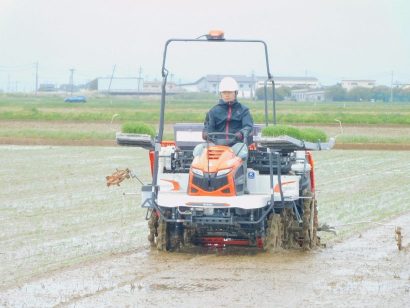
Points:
212	160
216	158
151	154
175	184
230	188
312	171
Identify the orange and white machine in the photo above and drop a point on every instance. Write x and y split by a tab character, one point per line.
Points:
207	193
211	194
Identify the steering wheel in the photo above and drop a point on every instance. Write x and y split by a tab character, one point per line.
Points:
218	138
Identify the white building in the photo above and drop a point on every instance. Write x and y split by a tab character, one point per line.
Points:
210	84
248	84
292	82
119	85
402	85
130	86
351	84
308	95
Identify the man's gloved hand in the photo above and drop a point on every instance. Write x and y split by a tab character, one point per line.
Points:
204	135
239	136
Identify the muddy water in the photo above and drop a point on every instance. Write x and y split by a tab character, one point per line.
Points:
366	270
68	240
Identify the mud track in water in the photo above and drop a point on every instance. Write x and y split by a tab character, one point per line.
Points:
364	270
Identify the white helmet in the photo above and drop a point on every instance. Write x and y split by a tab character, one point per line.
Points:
228	84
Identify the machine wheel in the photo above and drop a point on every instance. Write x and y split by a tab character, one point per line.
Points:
157	235
188	236
174	236
152	227
316	224
274	233
310	221
162	235
288	218
161	241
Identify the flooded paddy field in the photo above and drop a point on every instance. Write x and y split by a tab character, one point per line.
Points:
68	240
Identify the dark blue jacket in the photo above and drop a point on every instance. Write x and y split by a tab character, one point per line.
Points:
230	118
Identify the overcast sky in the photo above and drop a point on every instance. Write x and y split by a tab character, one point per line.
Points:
327	39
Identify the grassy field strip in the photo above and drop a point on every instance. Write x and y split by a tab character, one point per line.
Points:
131	102
189	106
57	134
373	139
184	115
189	110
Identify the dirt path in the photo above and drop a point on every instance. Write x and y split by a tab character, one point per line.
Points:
364	271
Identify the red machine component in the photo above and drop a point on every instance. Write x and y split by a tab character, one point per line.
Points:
220	242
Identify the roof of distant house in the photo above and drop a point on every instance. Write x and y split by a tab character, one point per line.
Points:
359	80
249	79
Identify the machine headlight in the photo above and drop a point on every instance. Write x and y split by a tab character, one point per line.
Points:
223	172
197	172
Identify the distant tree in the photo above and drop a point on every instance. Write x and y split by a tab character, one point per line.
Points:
336	93
260	93
380	93
283	93
280	93
359	94
401	95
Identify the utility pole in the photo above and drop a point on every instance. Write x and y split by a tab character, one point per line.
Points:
391	88
112	76
36	78
71	81
306	82
139	79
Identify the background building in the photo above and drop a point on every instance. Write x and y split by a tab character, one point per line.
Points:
210	83
248	84
308	95
293	82
351	84
129	86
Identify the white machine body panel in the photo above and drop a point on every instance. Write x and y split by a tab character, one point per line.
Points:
173	189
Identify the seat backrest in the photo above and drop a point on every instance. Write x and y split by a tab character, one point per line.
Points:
188	135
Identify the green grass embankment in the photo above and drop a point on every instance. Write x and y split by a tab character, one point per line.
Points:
56	135
188	110
119	110
176	115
